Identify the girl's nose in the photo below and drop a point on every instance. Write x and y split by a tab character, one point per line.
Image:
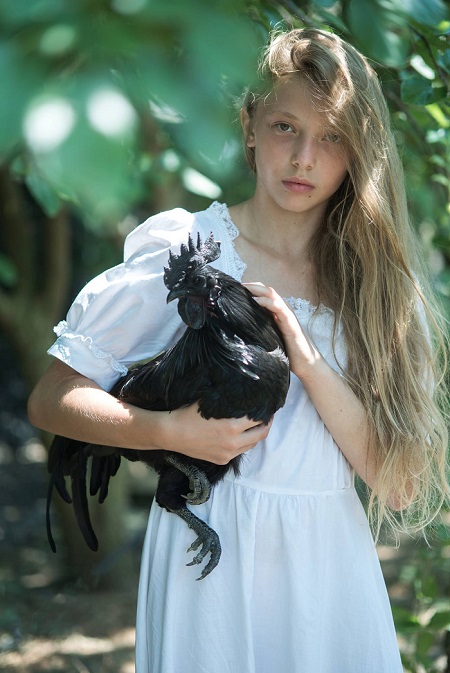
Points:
305	152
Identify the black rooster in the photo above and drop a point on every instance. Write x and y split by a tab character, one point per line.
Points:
230	360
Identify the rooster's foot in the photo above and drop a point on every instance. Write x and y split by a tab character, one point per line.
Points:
207	539
198	481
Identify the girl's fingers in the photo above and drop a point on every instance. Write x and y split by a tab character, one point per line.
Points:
255	434
258	289
251	431
248	434
258	429
266	296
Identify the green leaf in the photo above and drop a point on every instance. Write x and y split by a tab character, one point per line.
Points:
408	663
44	194
22	78
439	115
8	272
324	3
19	13
377	31
428	587
425	640
440	93
440	620
404	619
441	179
430	13
417	90
443	60
93	170
333	20
438	161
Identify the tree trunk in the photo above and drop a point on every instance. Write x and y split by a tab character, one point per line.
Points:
27	313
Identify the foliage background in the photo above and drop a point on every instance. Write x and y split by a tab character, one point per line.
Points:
113	110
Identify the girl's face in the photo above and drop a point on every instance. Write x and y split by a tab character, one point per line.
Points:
300	163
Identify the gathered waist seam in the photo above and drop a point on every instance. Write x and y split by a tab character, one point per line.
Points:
255	486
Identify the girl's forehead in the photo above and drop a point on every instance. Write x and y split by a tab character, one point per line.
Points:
293	98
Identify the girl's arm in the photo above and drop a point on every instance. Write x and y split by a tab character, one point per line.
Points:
341	411
67	403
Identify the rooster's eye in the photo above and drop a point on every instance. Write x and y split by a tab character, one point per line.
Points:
197	281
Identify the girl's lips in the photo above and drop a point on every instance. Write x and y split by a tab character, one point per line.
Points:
298	186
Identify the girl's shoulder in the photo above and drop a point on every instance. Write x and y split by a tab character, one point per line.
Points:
171	228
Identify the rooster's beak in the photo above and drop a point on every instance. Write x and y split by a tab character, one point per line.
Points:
176	293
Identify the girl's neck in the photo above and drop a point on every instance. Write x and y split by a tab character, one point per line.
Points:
275	251
284	233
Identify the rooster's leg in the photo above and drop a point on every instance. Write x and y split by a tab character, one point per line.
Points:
198	481
207	539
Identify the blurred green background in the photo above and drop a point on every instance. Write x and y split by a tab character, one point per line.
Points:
111	111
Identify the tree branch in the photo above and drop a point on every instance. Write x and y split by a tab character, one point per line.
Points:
7	313
18	235
57	264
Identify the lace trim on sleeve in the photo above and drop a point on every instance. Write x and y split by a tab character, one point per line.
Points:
62	330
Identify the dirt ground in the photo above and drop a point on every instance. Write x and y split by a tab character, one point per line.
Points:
59	631
47	625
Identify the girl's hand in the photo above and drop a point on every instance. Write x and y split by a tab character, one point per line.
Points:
215	440
302	354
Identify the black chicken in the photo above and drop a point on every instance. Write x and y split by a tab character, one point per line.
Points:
230	360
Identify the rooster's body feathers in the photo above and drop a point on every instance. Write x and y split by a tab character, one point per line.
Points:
230	360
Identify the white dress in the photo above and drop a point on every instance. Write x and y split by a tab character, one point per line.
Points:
298	588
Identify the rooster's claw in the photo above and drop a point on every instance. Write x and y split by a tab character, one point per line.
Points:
207	538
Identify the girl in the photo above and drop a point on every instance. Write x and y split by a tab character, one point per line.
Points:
299	586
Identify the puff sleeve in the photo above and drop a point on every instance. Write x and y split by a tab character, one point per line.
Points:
121	316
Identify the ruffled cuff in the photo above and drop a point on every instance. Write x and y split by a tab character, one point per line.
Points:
80	353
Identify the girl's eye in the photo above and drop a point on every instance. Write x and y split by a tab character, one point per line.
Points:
284	127
332	138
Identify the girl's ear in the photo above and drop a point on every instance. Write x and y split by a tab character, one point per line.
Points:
247	128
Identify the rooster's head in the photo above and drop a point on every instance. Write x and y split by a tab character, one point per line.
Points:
190	280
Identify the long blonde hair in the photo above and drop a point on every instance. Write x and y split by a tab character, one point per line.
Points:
368	271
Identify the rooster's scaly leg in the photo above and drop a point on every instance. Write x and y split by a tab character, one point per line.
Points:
198	481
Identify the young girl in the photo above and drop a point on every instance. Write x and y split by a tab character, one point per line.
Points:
298	588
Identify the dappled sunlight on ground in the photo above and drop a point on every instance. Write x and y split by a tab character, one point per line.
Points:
77	652
49	624
68	630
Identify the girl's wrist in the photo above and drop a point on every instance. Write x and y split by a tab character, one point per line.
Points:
152	429
162	430
305	367
304	359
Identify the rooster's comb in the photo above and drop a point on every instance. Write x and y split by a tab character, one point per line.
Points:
191	257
